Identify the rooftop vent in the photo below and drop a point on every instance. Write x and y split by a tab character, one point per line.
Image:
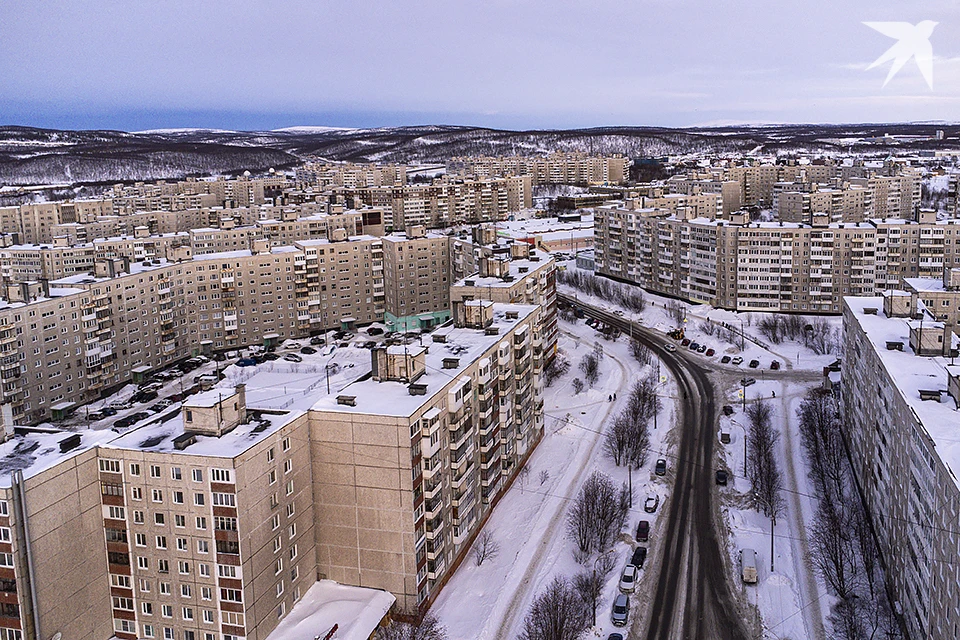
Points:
930	394
440	337
451	363
416	389
184	440
469	283
524	269
350	401
534	258
513	315
491	331
70	442
508	278
893	345
870	311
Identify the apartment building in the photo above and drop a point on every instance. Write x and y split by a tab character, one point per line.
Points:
213	524
418	454
900	415
416	266
351	175
556	168
767	266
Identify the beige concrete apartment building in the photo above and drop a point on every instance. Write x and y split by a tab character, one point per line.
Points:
416	265
899	401
556	168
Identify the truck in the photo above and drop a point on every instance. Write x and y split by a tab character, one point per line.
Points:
748	565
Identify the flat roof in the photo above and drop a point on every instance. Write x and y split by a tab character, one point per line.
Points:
356	613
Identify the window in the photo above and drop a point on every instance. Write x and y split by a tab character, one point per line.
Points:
293	529
126	604
138	517
158	518
291	509
175	473
231	595
198	499
136	493
285	443
201	523
178	497
141	539
277	544
181	544
294	573
124	626
110	466
185	591
161	542
146	608
289	487
165	588
278	566
154	471
143	563
272	476
198	475
117	580
166	610
148	631
168	632
280	588
157	495
206	593
184	567
208	616
287	466
144	586
115	513
226	571
203	546
275	521
163	566
293	552
186	613
224	500
270	454
220	475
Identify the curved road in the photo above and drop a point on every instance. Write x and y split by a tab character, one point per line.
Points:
693	599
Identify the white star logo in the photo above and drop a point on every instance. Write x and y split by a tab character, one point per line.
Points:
913	41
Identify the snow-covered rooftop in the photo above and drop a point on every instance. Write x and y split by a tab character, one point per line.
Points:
355	611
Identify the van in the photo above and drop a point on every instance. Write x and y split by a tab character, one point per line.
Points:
748	565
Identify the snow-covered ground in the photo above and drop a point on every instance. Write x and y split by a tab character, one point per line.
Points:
490	601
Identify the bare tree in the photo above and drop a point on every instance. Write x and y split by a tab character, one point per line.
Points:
590	365
577	385
426	628
597	514
762	469
485	548
676	311
640	352
557	613
556	368
544	476
616	440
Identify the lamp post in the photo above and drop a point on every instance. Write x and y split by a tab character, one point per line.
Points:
743	343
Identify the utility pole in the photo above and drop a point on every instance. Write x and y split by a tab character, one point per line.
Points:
773	522
630	484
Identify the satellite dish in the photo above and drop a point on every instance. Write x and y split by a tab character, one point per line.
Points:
57	636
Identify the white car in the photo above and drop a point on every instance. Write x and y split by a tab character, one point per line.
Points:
670	347
737	361
628	579
651	503
292	357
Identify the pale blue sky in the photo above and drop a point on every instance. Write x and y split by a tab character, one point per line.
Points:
502	63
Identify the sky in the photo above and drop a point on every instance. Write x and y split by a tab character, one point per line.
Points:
513	64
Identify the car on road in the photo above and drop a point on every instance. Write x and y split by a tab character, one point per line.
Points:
725	360
737	361
710	352
754	364
661	467
721	477
643	531
621	609
292	357
748	565
775	365
628	579
95	415
746	382
651	503
671	348
618	312
639	557
108	411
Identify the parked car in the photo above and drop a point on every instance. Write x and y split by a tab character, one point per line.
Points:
727	410
308	351
670	347
270	356
737	361
661	467
292	357
628	579
725	360
123	423
775	365
651	503
721	477
144	396
95	415
621	610
748	565
639	557
701	348
140	415
643	531
374	331
246	362
746	382
710	352
685	342
694	346
754	364
108	411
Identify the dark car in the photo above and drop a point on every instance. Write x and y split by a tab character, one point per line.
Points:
754	364
374	331
615	636
246	362
746	382
308	351
727	410
621	609
270	356
724	359
694	346
108	411
721	477
144	396
710	352
685	342
661	467
643	531
140	415
123	423
702	348
317	340
775	365
639	556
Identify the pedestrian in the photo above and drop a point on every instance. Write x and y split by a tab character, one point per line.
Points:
614	396
609	398
774	394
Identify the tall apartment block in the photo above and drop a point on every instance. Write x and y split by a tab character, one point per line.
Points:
556	168
211	525
900	393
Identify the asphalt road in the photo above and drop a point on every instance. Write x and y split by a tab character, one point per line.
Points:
693	597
